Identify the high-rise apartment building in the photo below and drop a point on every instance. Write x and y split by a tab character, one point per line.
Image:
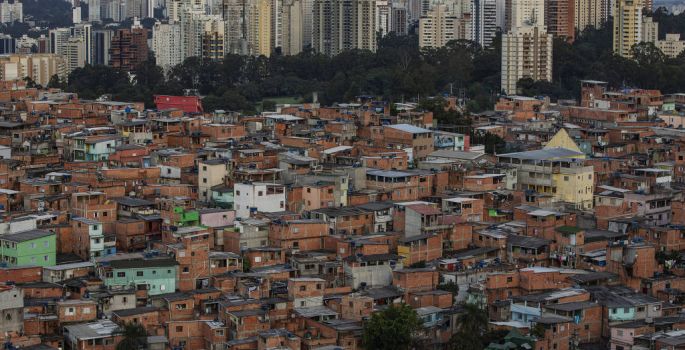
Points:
442	25
140	8
627	26
11	11
526	53
75	53
58	40
39	67
522	13
233	12
589	13
293	28
8	44
484	14
192	28
76	15
258	19
94	8
340	25
213	39
84	31
560	17
113	9
650	30
276	24
399	20
128	48
166	43
102	41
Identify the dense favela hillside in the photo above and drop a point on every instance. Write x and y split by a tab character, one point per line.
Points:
333	174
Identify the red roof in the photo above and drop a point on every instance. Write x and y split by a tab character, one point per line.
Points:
188	104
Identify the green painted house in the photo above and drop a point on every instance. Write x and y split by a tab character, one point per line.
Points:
157	275
29	248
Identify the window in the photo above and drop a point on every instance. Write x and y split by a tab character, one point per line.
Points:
510	279
303	288
204	180
33	245
185	269
139	273
46	244
179	328
86	310
70	311
121	274
181	306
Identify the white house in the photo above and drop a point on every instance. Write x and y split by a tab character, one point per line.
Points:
258	196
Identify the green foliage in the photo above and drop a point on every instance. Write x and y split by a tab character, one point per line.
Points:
538	331
134	337
449	287
662	256
473	325
398	71
391	329
53	13
669	23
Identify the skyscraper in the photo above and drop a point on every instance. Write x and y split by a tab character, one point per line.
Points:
441	25
560	17
526	53
650	30
75	53
58	40
627	26
94	11
166	43
340	25
7	44
213	38
526	13
129	48
11	11
84	31
589	13
233	12
258	19
399	20
293	28
102	40
484	14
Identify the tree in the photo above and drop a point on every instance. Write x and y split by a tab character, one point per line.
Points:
473	324
56	83
134	337
391	329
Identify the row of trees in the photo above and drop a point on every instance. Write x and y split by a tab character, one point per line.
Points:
398	71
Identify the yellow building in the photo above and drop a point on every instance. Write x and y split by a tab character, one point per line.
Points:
258	19
556	171
627	26
562	139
